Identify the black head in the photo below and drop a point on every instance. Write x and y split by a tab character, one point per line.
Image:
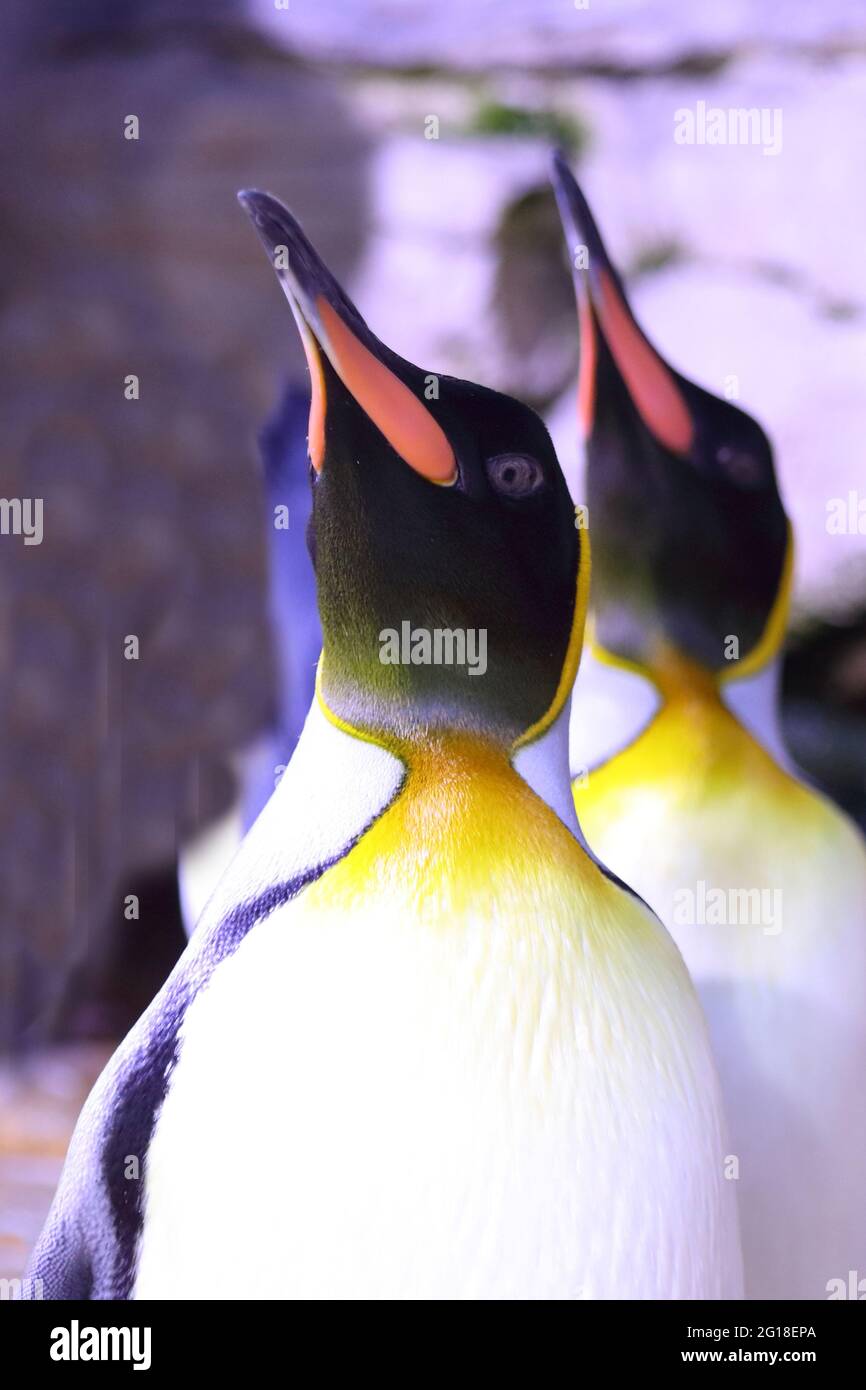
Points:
690	538
438	508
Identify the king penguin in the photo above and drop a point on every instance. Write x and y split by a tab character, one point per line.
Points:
421	1045
761	881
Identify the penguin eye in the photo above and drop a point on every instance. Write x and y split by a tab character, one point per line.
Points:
740	468
515	475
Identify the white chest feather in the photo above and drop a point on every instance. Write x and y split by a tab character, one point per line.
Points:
452	1082
462	1064
360	1113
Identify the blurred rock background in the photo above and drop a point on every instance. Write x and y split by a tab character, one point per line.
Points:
132	257
412	140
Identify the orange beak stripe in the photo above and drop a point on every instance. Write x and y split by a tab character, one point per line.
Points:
650	384
396	411
316	426
587	365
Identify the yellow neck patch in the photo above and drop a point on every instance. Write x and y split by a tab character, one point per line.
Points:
693	751
467	836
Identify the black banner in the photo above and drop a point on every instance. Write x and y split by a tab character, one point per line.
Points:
67	1338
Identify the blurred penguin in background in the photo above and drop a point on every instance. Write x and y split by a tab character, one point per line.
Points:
692	798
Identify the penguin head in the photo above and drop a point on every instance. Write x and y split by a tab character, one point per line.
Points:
443	536
692	545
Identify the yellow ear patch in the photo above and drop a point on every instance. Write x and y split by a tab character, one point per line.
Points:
396	411
650	384
572	654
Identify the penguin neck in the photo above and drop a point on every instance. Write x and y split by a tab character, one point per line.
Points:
752	699
618	702
692	693
689	692
447	758
680	680
755	702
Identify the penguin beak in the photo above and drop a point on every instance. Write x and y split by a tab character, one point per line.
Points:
330	324
604	315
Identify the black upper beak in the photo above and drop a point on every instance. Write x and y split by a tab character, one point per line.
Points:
604	312
300	269
581	231
372	374
577	220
